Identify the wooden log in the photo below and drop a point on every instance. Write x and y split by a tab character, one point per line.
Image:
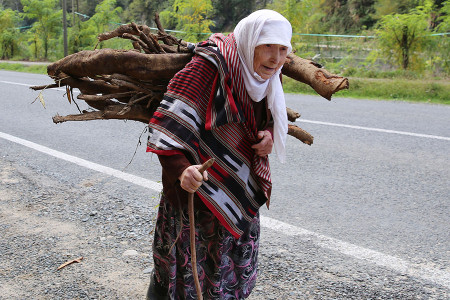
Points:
130	85
136	46
119	31
300	134
151	42
106	97
43	87
170	49
152	66
168	40
131	76
87	86
135	112
306	71
131	63
292	114
142	46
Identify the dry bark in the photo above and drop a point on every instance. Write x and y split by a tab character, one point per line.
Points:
292	114
127	62
306	71
106	97
129	84
119	31
136	113
300	134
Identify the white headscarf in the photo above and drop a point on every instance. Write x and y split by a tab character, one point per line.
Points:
265	27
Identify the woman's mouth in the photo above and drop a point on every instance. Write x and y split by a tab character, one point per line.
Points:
269	69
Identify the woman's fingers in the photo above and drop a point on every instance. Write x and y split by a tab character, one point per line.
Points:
264	147
191	179
261	135
189	186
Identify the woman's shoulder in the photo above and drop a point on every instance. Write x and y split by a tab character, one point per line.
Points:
195	80
200	66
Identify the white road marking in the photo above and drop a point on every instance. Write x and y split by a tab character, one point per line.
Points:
16	83
390	262
377	258
378	130
29	85
315	122
85	163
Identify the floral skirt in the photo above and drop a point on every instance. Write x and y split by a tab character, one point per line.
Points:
226	266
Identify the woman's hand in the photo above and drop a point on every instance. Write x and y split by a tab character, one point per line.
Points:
264	147
191	179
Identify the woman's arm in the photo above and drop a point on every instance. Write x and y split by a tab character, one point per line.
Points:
173	166
177	167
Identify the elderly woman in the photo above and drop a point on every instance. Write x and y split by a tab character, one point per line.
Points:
226	104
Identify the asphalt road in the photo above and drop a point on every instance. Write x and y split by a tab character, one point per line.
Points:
368	201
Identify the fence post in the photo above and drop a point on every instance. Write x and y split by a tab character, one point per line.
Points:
65	27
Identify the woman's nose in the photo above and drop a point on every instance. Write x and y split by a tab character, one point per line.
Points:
275	56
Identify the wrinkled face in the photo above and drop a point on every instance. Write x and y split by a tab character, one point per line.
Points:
268	59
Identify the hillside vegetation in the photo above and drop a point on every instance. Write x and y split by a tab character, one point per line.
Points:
401	44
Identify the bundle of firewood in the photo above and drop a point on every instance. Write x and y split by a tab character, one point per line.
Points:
129	84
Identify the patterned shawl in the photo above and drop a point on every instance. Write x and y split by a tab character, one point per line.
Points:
207	113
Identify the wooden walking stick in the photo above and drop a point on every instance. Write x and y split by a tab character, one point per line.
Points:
203	168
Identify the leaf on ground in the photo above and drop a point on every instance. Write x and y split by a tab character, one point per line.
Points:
41	98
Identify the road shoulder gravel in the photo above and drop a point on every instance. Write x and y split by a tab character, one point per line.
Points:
46	221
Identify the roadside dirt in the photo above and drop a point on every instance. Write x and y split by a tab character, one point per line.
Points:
44	224
47	219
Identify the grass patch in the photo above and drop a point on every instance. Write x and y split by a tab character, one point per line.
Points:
430	91
19	67
414	90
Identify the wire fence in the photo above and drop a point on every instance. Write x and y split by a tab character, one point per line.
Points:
353	52
348	51
363	51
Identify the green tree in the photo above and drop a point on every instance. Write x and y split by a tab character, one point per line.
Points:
388	7
404	35
440	56
9	20
193	17
227	13
347	16
143	11
304	15
361	11
47	22
12	4
87	6
444	25
293	10
107	17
